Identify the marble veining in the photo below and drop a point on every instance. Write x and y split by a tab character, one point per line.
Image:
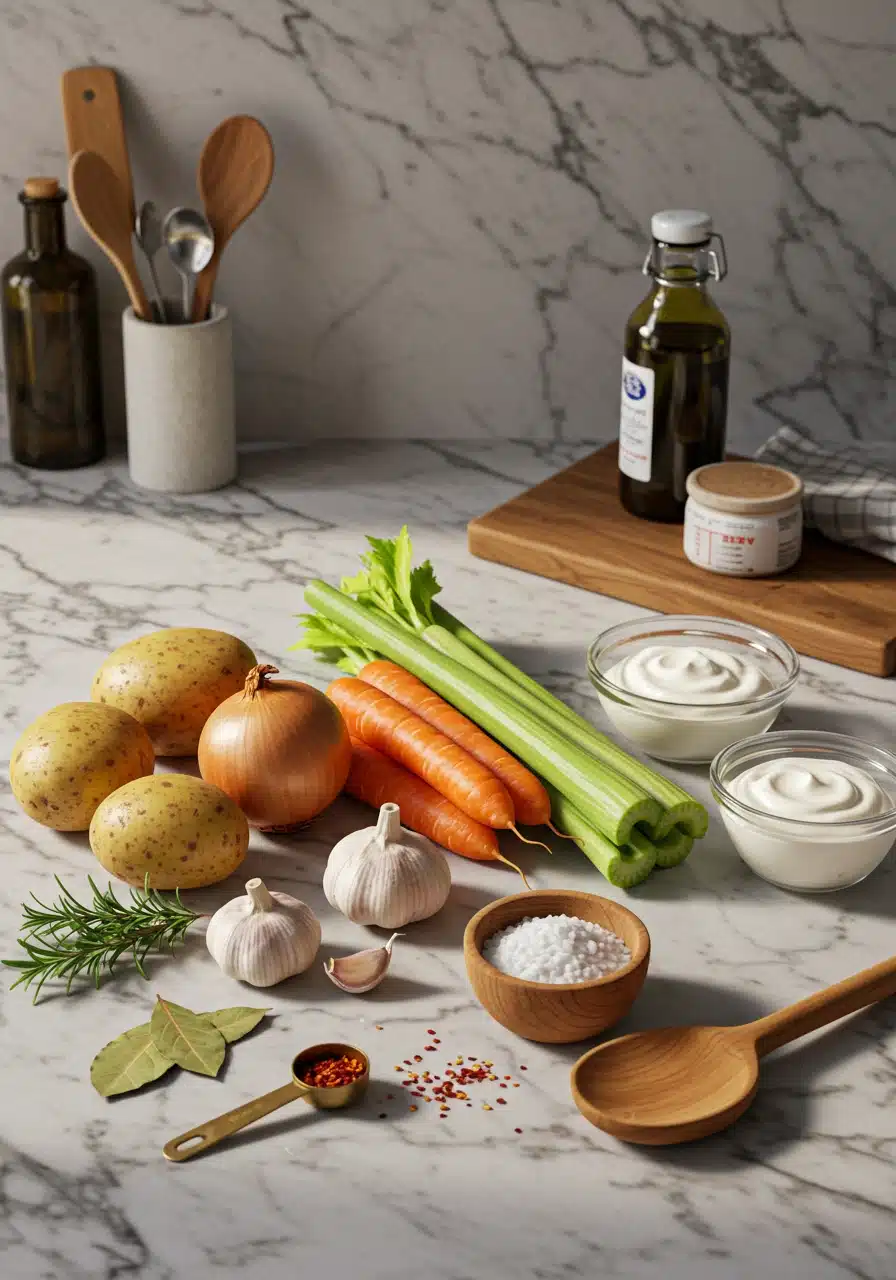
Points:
453	238
802	1188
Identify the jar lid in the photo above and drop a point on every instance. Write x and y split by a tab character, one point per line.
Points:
744	488
681	226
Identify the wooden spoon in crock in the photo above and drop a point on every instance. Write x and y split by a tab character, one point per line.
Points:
235	171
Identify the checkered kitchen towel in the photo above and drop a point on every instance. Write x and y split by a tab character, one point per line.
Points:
849	494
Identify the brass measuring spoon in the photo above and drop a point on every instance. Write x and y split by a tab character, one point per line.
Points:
333	1098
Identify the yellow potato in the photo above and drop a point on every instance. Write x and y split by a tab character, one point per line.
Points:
172	680
183	831
71	758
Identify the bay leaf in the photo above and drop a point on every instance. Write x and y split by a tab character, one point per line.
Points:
127	1063
236	1022
187	1038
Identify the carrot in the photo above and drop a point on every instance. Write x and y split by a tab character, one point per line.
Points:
387	726
531	802
376	779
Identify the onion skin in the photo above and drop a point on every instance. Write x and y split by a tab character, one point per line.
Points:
279	749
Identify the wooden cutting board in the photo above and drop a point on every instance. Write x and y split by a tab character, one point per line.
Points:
837	604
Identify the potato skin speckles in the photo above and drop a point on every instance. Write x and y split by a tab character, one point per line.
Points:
72	757
172	680
183	831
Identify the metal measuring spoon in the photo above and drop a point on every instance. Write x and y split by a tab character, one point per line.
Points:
148	231
333	1098
191	243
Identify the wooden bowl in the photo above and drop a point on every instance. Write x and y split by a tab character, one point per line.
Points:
556	1013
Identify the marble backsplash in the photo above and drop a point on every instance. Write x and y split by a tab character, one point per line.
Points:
453	238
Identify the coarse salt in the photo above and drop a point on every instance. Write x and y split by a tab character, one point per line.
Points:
556	949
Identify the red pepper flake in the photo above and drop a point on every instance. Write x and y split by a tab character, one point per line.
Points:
418	1057
517	1131
443	1117
515	1085
412	1107
436	1041
407	1062
330	1073
507	1077
502	1102
429	1031
472	1059
429	1048
524	1068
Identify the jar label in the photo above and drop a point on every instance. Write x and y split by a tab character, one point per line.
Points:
636	421
743	546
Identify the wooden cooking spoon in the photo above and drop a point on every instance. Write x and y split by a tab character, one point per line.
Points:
676	1084
102	206
235	171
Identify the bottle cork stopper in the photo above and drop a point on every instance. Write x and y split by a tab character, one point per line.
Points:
41	188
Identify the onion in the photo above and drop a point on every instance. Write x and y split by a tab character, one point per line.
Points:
279	749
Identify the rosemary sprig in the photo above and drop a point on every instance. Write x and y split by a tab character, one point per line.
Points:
70	938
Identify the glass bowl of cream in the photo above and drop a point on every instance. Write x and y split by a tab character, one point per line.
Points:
806	810
682	688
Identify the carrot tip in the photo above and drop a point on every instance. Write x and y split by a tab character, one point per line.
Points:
561	834
518	870
519	835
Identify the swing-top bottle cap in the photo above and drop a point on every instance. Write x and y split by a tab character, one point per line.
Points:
681	226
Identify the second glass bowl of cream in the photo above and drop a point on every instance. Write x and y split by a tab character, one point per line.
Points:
683	688
808	810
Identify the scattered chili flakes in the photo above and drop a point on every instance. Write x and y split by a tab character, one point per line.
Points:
459	1073
524	1068
517	1131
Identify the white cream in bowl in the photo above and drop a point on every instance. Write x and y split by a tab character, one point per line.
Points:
811	822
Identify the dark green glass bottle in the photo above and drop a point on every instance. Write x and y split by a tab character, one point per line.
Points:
51	342
675	370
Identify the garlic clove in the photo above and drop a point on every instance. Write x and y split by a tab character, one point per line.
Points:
362	971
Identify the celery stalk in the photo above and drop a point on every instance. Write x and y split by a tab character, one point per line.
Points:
606	799
623	867
679	809
673	848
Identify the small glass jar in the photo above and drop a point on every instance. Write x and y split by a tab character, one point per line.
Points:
744	519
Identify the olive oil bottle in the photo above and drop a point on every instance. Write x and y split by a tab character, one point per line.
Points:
675	369
51	341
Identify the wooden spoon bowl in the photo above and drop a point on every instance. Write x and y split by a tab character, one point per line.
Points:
674	1085
556	1013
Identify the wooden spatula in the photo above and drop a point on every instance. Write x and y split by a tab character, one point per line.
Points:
235	171
102	206
93	122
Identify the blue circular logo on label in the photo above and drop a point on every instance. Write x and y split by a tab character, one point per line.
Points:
634	387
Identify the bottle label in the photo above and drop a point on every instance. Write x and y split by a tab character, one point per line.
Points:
636	421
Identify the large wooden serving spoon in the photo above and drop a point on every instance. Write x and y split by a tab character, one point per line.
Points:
102	205
676	1084
235	171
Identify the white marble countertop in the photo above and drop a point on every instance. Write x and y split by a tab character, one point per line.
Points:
802	1187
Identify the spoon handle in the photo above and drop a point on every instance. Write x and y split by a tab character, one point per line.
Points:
205	283
825	1006
185	1146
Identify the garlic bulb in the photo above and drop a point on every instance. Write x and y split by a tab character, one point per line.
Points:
263	937
386	875
362	971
